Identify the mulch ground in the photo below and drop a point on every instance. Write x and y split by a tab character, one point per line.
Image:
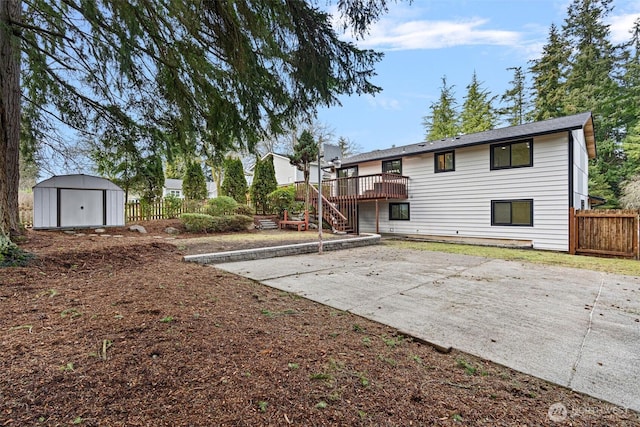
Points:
105	331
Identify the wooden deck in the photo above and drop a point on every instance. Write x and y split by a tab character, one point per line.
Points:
381	186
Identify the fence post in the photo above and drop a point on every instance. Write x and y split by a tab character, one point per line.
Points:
573	231
636	223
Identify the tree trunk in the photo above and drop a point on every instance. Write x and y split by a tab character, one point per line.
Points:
9	118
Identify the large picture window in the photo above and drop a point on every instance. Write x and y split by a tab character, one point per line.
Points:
399	211
512	155
512	212
392	166
444	162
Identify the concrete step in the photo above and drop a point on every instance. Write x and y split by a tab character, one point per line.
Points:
267	224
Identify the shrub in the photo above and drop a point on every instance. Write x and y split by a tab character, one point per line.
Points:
171	206
11	255
196	222
223	205
203	223
229	223
282	199
244	210
194	206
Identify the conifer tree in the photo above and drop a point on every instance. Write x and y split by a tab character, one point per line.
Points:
194	184
264	182
478	113
304	153
515	99
234	183
442	122
549	77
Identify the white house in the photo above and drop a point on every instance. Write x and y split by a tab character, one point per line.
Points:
286	173
514	184
173	187
69	201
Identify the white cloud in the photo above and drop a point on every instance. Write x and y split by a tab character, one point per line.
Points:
391	34
621	26
384	103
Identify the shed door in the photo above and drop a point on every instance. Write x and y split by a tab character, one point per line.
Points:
81	207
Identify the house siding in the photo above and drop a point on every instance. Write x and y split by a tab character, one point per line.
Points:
580	171
458	203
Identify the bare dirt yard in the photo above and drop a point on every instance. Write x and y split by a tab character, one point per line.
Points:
119	331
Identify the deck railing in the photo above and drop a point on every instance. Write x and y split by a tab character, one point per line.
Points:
364	187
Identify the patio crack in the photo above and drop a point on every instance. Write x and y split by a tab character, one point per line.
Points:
574	368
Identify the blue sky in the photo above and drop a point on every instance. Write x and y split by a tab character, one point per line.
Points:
427	40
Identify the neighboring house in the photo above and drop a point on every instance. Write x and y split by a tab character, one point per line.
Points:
173	187
286	173
508	185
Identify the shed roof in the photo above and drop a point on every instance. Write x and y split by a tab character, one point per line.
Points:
562	124
78	181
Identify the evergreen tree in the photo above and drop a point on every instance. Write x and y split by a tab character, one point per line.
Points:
517	102
264	182
150	178
590	86
304	153
548	77
194	185
478	113
631	80
593	61
175	169
242	67
443	120
234	184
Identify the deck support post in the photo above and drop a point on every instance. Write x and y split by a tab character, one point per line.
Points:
377	217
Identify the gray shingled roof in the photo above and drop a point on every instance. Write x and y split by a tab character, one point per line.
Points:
545	127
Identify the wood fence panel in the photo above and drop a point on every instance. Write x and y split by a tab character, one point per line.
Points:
604	232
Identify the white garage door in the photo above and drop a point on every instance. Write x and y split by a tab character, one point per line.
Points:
81	207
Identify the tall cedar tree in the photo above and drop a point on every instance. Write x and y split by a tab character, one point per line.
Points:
194	184
515	99
304	153
234	183
590	85
170	69
478	113
443	120
264	182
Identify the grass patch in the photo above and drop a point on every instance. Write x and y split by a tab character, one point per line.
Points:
609	265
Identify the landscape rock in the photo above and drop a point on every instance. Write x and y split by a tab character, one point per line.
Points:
138	228
171	230
99	230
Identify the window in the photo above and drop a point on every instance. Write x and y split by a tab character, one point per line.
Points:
392	166
176	193
348	172
444	162
512	212
399	211
512	155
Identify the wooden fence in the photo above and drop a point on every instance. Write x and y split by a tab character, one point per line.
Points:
604	232
140	211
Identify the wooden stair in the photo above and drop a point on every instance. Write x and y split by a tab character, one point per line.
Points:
339	221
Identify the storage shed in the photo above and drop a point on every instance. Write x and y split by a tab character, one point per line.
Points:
70	201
